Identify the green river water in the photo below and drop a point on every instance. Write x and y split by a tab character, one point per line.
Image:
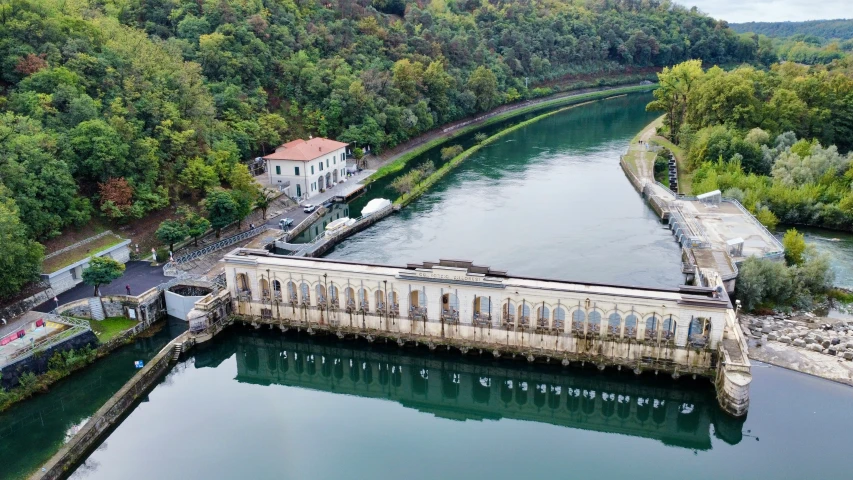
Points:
547	200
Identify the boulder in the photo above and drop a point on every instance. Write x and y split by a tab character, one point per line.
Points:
809	340
825	344
772	336
848	355
799	342
815	347
785	339
831	351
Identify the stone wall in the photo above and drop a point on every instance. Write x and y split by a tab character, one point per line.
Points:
22	306
108	415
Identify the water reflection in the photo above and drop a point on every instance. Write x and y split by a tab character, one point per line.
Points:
477	387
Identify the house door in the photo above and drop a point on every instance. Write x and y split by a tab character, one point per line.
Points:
298	190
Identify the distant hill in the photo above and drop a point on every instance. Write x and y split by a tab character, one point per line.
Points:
826	29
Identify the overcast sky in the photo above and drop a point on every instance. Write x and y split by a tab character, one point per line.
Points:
737	11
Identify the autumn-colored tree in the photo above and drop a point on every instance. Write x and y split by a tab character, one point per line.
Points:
31	64
116	197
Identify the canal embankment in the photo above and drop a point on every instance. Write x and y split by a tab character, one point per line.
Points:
111	413
801	342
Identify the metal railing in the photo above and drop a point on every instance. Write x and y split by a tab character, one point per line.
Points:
170	269
77	327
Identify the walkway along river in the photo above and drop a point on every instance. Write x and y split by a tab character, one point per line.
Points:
550	200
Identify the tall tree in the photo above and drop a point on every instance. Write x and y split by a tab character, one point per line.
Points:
102	271
221	209
20	257
171	232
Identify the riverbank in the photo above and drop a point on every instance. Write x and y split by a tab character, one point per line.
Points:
805	343
396	159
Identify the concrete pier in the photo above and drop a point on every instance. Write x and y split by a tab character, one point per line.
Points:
458	304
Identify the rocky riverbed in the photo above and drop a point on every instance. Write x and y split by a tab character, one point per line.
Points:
807	343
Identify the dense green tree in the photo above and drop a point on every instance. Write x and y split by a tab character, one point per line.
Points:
196	224
221	209
171	232
484	84
20	257
795	246
102	271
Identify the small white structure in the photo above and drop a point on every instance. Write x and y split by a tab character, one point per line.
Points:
338	224
374	206
304	168
735	247
711	199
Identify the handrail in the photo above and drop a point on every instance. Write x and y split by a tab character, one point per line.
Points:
171	267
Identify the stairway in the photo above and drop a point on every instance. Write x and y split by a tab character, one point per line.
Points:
96	308
179	347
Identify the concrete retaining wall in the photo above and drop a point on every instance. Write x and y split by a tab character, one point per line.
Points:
108	415
23	306
38	363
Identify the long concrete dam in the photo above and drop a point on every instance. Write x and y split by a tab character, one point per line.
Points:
687	330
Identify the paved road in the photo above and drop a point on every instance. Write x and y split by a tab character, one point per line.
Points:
139	275
344	188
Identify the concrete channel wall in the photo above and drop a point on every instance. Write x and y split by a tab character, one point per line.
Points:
110	414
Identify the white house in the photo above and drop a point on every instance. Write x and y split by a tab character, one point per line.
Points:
304	168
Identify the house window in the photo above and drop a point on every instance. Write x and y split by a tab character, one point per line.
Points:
327	162
298	190
342	158
296	170
312	169
321	166
278	170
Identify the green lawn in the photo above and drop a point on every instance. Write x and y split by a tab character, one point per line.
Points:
109	327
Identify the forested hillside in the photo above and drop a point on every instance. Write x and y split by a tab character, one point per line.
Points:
116	108
825	29
779	140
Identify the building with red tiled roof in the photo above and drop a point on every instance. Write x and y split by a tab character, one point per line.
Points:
304	168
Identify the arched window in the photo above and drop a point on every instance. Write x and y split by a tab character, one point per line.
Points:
543	317
450	307
481	308
630	326
265	288
614	323
379	300
243	283
559	318
524	313
594	322
363	302
333	296
276	289
350	297
321	294
652	327
668	330
578	318
306	293
291	292
394	301
508	313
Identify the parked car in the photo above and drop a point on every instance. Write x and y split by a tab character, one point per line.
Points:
308	208
285	223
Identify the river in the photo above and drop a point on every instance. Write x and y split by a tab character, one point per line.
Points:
547	200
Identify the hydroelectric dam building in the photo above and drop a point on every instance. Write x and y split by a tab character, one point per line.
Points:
683	331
